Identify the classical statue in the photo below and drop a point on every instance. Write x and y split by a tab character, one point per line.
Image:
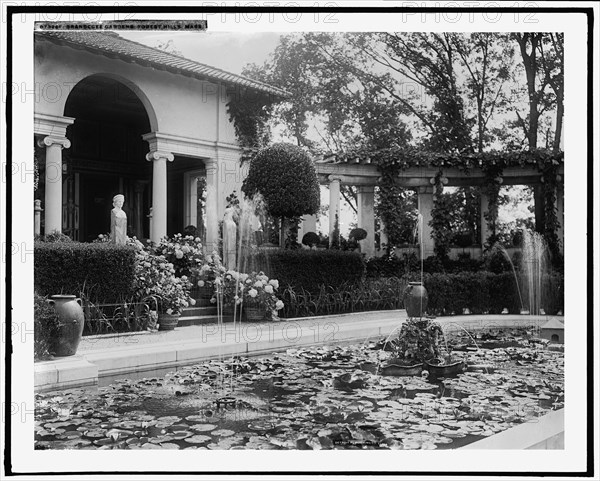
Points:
229	239
118	221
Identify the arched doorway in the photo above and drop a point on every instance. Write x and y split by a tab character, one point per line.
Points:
107	157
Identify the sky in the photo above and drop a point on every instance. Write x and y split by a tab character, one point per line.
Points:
227	50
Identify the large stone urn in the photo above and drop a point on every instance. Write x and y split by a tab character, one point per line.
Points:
70	324
415	299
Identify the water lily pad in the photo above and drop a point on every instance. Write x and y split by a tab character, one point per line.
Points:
222	432
197	439
203	427
150	446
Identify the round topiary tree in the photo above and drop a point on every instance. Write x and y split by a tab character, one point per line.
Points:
311	239
286	177
358	234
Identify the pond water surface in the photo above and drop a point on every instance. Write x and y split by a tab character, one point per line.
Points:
327	397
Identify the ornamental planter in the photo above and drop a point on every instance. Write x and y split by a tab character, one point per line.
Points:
254	314
167	322
70	324
415	299
437	368
393	368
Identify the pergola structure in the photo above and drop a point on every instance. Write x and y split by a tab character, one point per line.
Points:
365	175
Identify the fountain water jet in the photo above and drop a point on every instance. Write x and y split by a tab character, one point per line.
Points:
534	268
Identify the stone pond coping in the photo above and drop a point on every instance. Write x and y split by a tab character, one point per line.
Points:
545	432
103	358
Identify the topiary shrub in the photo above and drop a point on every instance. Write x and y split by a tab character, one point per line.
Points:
286	177
104	271
357	234
310	269
311	239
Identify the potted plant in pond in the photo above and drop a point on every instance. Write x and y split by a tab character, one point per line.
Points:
417	341
417	347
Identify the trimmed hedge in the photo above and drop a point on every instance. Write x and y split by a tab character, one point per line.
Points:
103	272
310	269
482	292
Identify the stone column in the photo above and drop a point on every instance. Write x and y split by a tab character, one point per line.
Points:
193	202
37	217
53	181
334	204
425	205
484	229
159	161
212	207
366	217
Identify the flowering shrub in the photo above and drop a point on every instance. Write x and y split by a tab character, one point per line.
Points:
184	252
155	277
102	238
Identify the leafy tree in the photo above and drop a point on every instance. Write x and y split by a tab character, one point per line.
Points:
486	60
539	100
286	177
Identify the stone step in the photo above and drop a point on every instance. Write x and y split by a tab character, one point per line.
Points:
210	310
199	320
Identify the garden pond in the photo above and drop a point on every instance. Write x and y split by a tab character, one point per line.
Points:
322	397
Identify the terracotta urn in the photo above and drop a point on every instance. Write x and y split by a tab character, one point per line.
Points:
167	322
70	324
415	299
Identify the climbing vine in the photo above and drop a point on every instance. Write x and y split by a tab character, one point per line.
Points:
550	180
440	218
491	188
250	113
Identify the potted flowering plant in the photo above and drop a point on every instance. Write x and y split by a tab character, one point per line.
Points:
256	293
204	276
155	277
